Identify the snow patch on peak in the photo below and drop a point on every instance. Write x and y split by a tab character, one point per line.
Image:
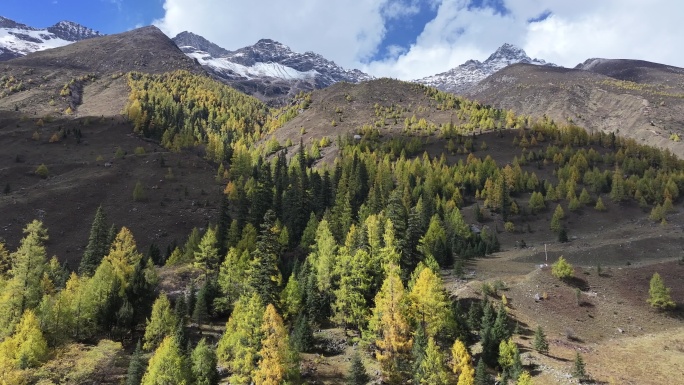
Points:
468	74
266	63
17	39
258	70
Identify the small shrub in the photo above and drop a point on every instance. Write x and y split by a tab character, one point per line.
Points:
139	150
562	269
499	285
139	192
599	205
169	174
324	142
120	153
55	138
659	295
486	289
509	227
42	171
36	136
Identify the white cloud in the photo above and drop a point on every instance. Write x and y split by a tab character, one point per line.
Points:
340	30
351	32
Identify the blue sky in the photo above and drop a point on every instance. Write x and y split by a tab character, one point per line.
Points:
405	39
106	16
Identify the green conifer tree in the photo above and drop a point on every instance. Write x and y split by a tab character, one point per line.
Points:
136	367
203	364
659	295
540	344
98	244
357	371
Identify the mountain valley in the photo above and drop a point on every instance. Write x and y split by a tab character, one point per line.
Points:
277	205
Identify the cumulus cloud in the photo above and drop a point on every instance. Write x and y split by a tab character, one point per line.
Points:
352	32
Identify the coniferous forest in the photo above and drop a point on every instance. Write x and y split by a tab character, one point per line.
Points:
361	243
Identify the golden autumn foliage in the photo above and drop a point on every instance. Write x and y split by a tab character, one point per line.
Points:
394	334
276	358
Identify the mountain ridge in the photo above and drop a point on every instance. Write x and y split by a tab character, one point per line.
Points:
17	39
459	79
267	69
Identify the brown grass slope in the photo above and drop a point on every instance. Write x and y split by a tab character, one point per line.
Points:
351	106
102	60
641	101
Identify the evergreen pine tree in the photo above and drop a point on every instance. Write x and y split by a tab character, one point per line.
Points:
418	352
181	308
203	364
264	276
481	375
136	367
200	313
578	370
98	244
540	344
302	334
357	371
192	297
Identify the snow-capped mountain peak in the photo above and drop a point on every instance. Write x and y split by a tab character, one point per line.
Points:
267	68
70	31
18	39
468	74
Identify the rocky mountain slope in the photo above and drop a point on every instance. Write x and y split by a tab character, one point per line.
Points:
88	72
18	39
267	69
634	98
460	79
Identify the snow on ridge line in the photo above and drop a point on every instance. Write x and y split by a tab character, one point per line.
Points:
274	70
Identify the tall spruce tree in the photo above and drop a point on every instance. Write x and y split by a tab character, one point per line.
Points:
136	367
264	276
357	371
481	375
540	344
98	244
203	364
